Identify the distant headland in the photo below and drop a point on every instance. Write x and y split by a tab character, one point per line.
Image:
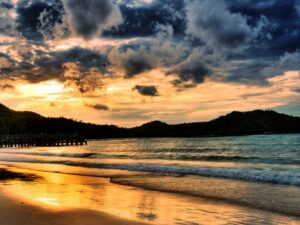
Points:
233	124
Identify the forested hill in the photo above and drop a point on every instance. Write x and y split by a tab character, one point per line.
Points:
31	123
235	123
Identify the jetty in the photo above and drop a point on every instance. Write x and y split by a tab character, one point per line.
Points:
19	141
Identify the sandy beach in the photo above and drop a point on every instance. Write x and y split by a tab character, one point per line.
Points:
18	211
138	182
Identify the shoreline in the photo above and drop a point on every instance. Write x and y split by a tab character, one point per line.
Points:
219	195
20	211
59	199
140	180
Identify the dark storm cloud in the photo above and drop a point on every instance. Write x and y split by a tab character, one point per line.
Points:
283	27
214	24
99	107
5	56
143	55
195	72
181	85
193	69
287	62
142	20
39	18
6	64
242	41
30	15
85	58
248	71
297	90
7	23
52	65
90	17
6	5
136	65
146	90
134	59
260	38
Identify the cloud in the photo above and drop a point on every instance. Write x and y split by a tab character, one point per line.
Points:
38	17
215	25
287	62
141	20
85	58
89	18
6	63
7	87
281	33
247	71
77	67
240	41
41	19
237	41
136	64
141	56
7	23
146	90
6	4
84	83
133	62
297	7
297	90
99	107
192	69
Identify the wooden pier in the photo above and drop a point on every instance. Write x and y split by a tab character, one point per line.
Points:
19	141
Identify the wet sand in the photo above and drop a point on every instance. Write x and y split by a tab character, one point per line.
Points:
17	211
69	195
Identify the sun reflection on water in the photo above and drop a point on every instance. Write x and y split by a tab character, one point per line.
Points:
48	201
70	191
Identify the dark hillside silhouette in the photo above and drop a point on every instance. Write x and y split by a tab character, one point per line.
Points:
235	123
29	123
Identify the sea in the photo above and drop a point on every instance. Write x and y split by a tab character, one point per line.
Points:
208	180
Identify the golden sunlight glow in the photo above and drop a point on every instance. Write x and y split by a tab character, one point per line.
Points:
95	43
129	108
50	89
48	201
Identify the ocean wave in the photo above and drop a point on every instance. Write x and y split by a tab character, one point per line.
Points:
254	174
166	156
170	157
183	150
50	154
214	158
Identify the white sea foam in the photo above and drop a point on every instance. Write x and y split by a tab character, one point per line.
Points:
51	154
255	174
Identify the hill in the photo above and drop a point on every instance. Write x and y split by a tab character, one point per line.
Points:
235	123
30	123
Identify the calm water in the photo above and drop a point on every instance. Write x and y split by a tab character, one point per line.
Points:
244	180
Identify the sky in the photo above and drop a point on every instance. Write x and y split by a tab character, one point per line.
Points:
128	62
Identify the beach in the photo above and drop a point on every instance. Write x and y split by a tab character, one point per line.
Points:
16	212
21	211
158	112
136	181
